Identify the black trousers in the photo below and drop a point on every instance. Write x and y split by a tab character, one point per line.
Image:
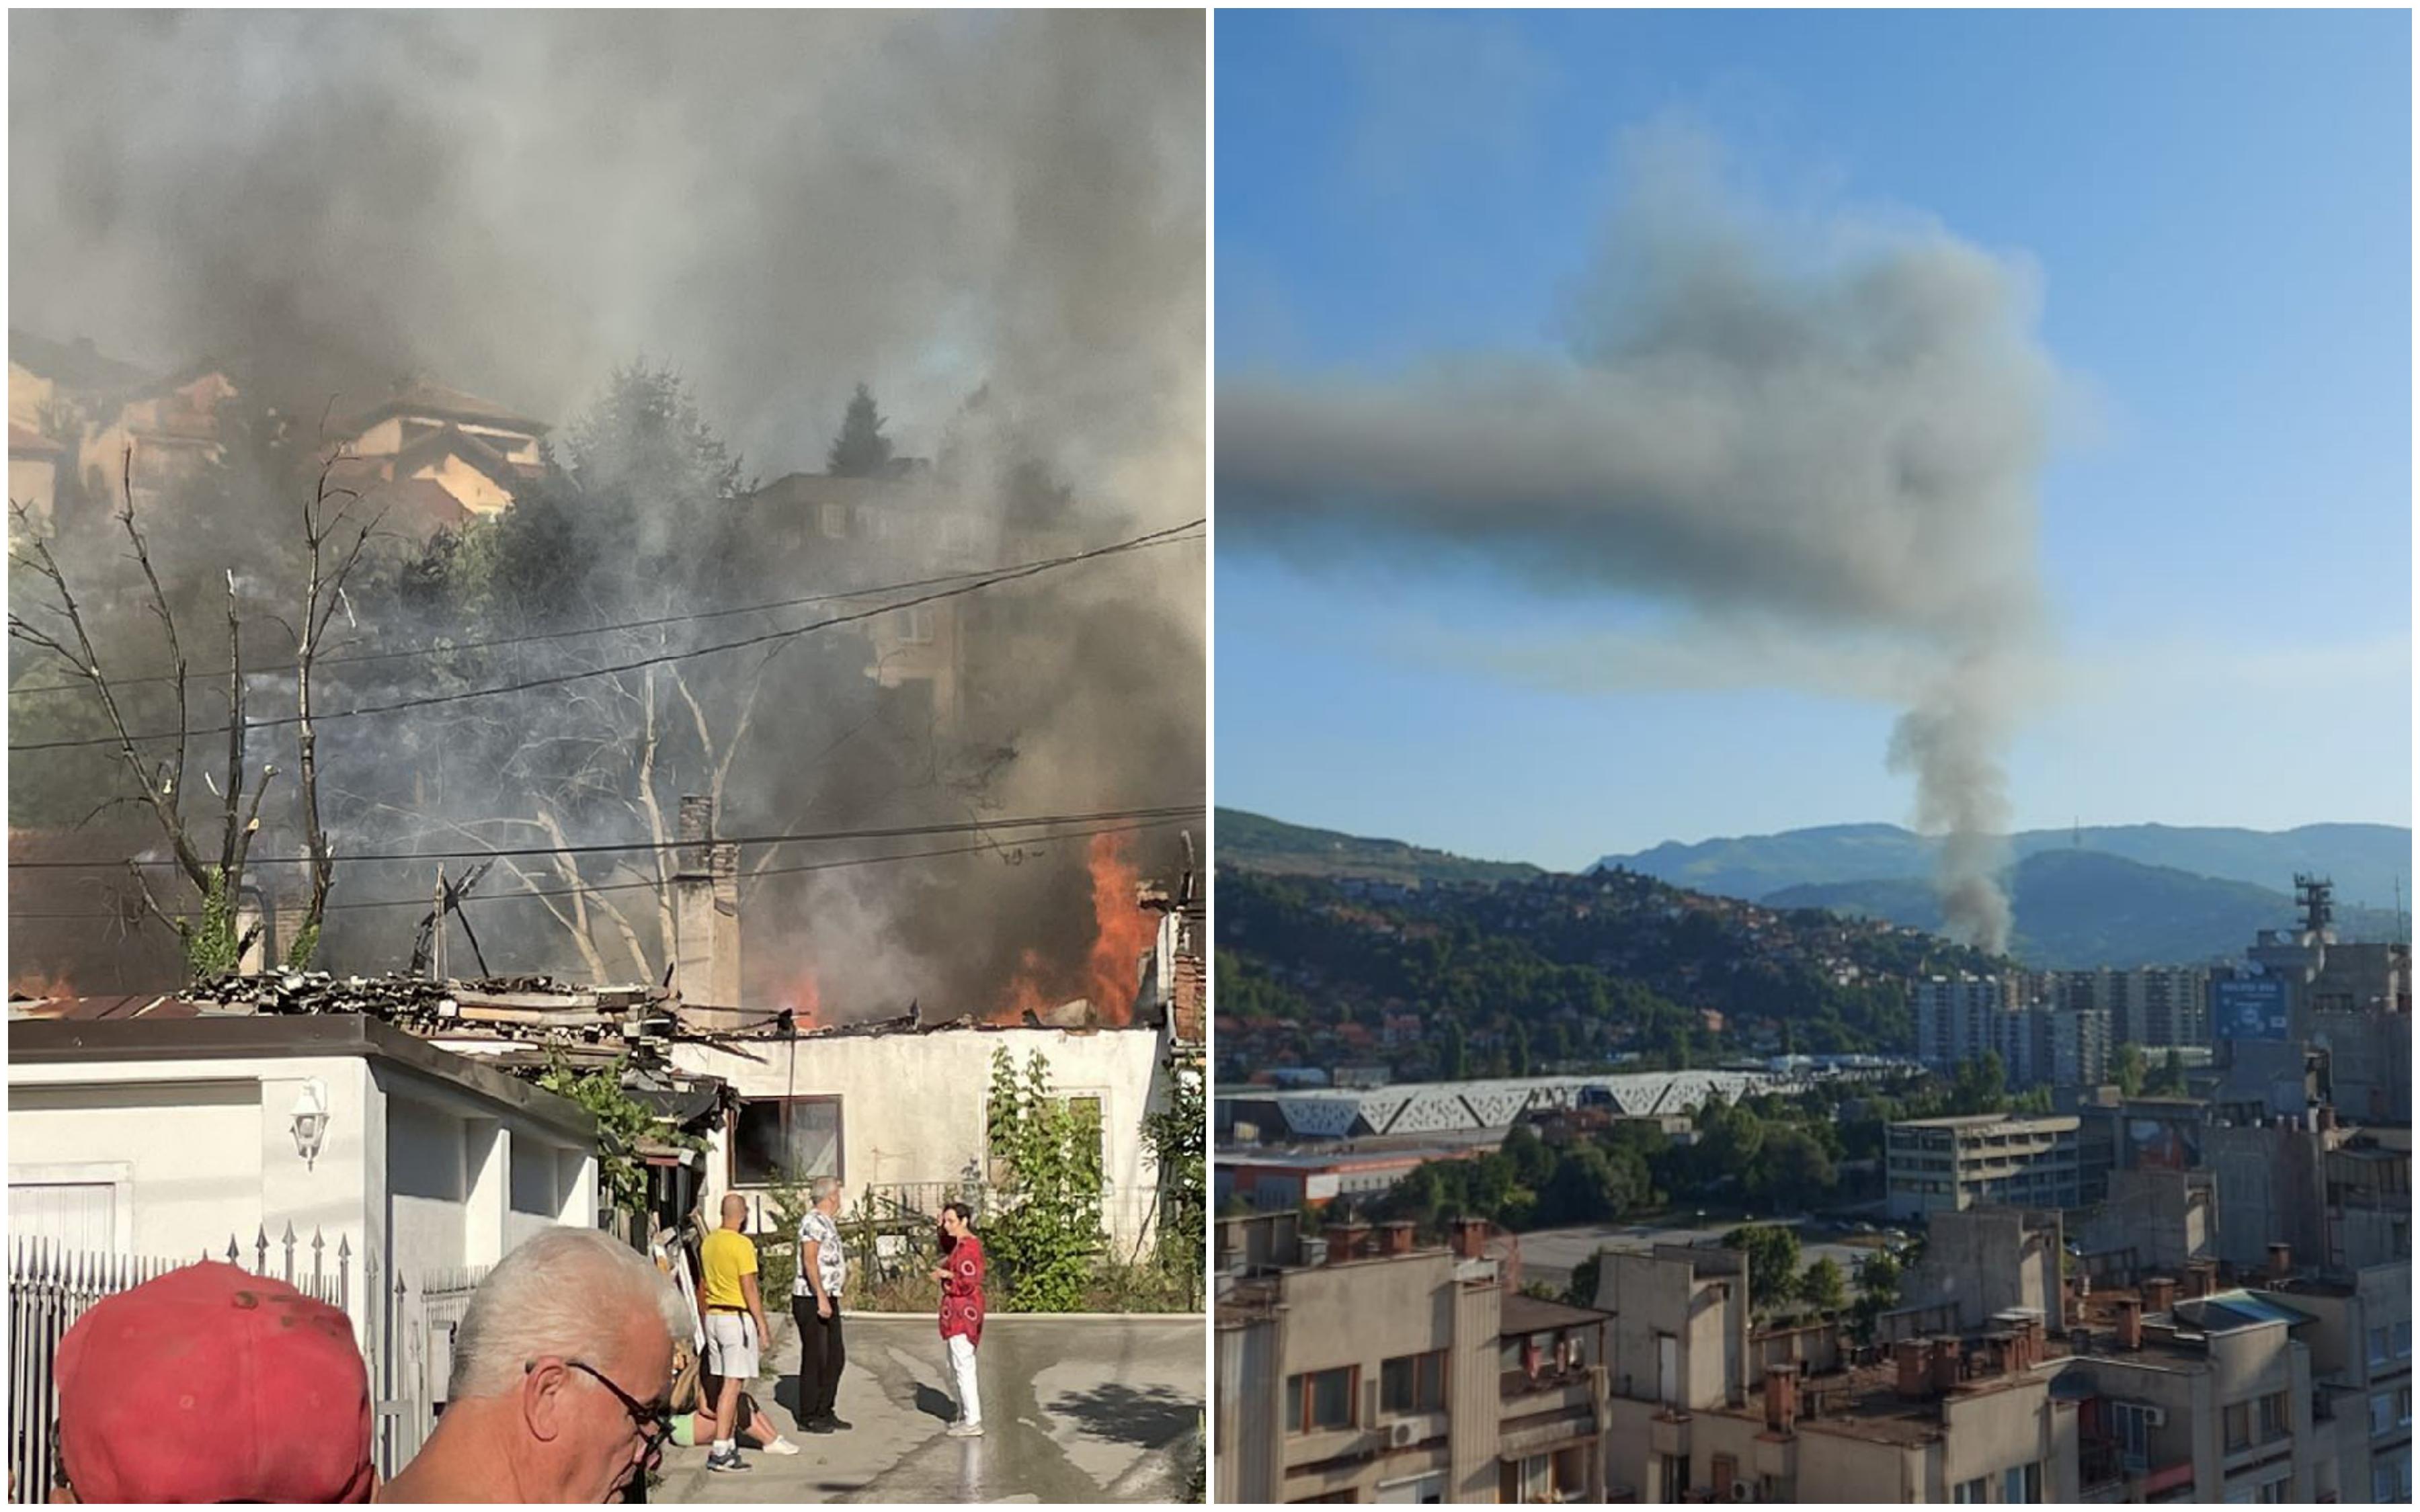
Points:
822	1356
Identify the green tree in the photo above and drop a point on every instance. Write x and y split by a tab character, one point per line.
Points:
1533	1163
622	1122
1795	1167
1176	1136
1582	1292
1822	1287
2130	1068
1982	1085
1772	1261
861	450
1046	1155
1456	1063
1520	1048
2170	1082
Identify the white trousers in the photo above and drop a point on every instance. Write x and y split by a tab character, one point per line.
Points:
959	1352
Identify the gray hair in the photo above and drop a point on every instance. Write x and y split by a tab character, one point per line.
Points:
822	1187
563	1291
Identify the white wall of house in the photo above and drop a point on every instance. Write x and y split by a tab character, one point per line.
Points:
414	1168
912	1107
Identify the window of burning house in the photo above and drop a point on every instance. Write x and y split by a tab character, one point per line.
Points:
776	1139
914	625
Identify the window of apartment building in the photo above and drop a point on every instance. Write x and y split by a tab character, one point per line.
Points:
835	521
2276	1416
2021	1483
1323	1399
2390	1477
1676	1477
915	625
2132	1421
793	1139
2271	1490
2381	1343
2390	1410
1537	1480
1970	1490
1413	1383
2403	1340
2238	1418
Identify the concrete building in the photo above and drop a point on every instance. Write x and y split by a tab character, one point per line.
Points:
2360	1339
1363	1367
1957	1018
2204	1399
900	1105
1725	1414
2155	1220
1283	1180
147	1127
1947	1164
1979	1265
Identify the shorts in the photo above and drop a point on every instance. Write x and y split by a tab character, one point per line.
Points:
731	1345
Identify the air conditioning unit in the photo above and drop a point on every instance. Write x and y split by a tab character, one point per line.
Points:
1403	1435
2156	1416
1739	1491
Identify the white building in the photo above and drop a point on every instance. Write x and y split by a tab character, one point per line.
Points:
907	1108
158	1131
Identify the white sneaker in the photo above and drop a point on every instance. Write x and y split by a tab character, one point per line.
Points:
780	1446
965	1430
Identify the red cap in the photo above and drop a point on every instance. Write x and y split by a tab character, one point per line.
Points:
211	1385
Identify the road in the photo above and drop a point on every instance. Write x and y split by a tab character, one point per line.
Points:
1074	1409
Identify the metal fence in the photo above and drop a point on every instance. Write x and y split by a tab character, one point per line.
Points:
50	1286
413	1357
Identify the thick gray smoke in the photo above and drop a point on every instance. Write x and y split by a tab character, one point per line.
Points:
1838	434
778	207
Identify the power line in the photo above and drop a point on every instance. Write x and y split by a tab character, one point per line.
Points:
959	826
558	679
422	900
406	652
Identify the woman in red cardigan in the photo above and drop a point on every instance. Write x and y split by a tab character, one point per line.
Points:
961	1274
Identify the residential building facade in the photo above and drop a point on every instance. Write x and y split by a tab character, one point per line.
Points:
1947	1164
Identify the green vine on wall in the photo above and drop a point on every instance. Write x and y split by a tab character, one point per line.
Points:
622	1122
1046	1236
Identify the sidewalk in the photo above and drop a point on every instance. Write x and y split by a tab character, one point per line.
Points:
1095	1410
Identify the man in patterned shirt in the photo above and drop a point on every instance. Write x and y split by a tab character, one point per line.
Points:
815	1301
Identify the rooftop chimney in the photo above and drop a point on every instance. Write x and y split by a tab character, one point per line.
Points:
1946	1364
1470	1238
706	910
1915	1383
1395	1237
1780	1397
2198	1274
2159	1294
1345	1241
2281	1262
2130	1323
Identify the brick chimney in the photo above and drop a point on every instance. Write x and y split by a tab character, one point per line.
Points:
2159	1294
2281	1262
706	910
2199	1277
1915	1378
2130	1323
1395	1237
1470	1238
1346	1242
1945	1366
1780	1397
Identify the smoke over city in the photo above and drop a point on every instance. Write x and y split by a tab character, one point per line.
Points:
995	223
1837	434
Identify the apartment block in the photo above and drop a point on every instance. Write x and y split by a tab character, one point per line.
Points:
1358	1365
2359	1340
1703	1408
1987	1160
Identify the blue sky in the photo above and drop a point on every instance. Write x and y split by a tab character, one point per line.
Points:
2217	210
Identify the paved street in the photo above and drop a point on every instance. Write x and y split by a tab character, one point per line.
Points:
1074	1409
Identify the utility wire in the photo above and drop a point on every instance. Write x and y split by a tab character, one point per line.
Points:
558	679
959	826
406	652
422	900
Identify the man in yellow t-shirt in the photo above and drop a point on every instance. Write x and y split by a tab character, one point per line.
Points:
734	1322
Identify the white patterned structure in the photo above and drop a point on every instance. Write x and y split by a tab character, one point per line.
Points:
1455	1107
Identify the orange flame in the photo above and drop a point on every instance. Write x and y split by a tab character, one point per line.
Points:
800	995
1122	931
35	986
1025	991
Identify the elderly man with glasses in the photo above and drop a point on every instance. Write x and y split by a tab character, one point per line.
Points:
562	1373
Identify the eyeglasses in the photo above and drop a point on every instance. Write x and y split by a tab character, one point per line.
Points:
652	1419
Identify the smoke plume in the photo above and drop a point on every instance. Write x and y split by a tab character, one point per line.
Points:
1835	431
777	206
